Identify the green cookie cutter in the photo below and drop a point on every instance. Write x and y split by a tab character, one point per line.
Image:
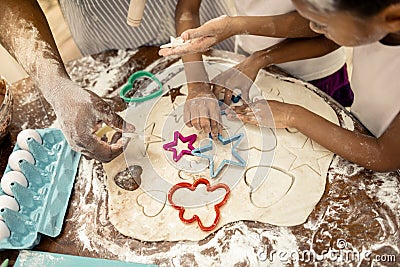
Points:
129	86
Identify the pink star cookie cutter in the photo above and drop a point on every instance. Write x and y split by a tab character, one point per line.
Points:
185	139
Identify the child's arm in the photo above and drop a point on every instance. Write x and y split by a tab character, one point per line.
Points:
201	108
378	154
187	17
243	74
290	25
293	49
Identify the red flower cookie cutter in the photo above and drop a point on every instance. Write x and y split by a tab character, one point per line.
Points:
193	187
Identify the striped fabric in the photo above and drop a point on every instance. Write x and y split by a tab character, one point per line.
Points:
98	25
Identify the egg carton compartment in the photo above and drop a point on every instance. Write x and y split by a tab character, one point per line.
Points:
36	258
35	188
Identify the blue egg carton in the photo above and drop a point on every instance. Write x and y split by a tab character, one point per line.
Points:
44	202
36	258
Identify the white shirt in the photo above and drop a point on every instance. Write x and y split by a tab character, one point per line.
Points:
308	69
376	87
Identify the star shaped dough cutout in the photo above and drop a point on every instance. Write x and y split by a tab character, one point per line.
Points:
307	156
177	118
268	136
173	93
174	115
150	137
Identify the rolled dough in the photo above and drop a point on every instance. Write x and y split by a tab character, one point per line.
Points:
283	180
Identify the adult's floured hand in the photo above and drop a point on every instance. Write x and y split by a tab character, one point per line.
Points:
202	38
201	109
80	114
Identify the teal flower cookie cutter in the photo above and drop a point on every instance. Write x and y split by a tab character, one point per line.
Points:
129	86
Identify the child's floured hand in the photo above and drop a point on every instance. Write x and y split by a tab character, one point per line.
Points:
201	110
202	38
174	42
240	77
264	114
188	47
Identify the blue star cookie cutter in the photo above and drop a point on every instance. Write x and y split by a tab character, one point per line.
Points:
235	99
200	152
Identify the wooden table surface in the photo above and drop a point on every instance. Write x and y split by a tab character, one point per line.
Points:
359	207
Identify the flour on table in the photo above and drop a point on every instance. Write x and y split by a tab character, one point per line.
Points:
284	177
